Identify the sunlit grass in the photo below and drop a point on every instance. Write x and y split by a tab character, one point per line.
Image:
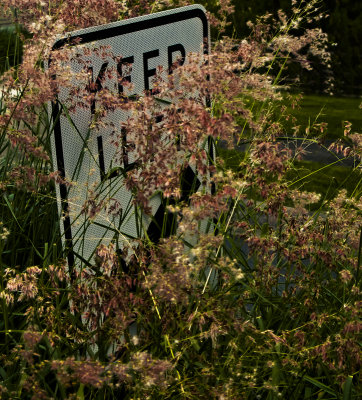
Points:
316	109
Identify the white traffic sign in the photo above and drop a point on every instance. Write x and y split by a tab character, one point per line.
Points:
84	155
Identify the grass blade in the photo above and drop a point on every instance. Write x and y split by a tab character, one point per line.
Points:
347	388
321	386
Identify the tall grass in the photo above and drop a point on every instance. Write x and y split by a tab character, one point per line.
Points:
246	291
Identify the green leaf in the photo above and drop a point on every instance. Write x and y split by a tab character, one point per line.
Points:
3	374
347	388
195	344
308	392
80	392
164	101
320	385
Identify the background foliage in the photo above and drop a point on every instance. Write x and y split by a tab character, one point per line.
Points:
343	26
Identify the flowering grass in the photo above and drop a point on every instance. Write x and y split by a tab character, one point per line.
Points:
246	291
310	176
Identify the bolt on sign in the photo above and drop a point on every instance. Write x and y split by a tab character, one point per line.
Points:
85	155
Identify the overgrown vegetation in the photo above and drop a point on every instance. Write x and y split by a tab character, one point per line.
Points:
250	289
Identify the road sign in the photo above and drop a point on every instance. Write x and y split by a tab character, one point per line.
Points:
85	155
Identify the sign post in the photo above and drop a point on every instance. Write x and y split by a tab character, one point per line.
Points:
84	155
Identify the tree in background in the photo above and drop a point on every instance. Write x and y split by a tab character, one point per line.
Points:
343	24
